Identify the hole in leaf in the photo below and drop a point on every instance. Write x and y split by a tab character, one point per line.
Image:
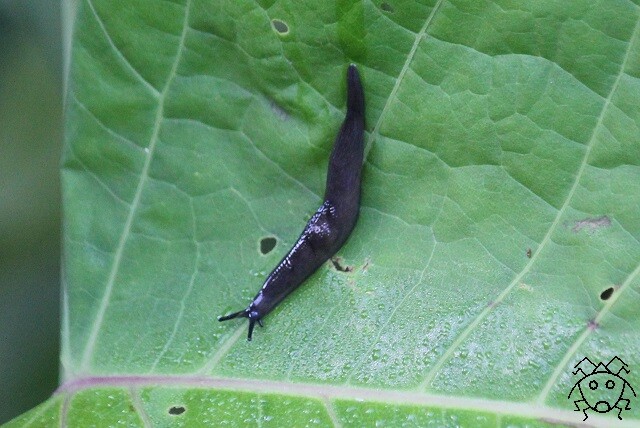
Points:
386	7
280	26
267	244
337	263
177	410
606	293
528	252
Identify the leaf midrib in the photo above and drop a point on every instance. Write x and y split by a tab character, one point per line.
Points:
324	392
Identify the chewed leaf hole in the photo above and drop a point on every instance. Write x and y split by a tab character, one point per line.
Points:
267	244
176	410
280	26
606	293
338	265
386	7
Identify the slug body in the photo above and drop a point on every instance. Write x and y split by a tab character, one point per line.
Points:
332	223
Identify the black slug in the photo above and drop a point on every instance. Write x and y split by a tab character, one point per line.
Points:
332	224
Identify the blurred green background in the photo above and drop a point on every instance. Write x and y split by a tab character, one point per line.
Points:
31	82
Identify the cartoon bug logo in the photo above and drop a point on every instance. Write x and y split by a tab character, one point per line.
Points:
602	389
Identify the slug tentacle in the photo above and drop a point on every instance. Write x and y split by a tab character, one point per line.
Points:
243	313
252	324
332	223
252	315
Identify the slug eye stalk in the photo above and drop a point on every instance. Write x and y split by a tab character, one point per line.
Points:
245	313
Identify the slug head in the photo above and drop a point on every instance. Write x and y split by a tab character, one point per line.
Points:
249	313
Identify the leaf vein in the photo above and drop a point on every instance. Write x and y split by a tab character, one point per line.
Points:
136	401
186	295
333	392
403	71
400	304
103	126
547	238
607	307
562	365
119	53
331	411
106	297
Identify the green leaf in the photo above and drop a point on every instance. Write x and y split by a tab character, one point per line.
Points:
500	200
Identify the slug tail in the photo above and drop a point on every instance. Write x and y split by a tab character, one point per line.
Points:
345	162
355	93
